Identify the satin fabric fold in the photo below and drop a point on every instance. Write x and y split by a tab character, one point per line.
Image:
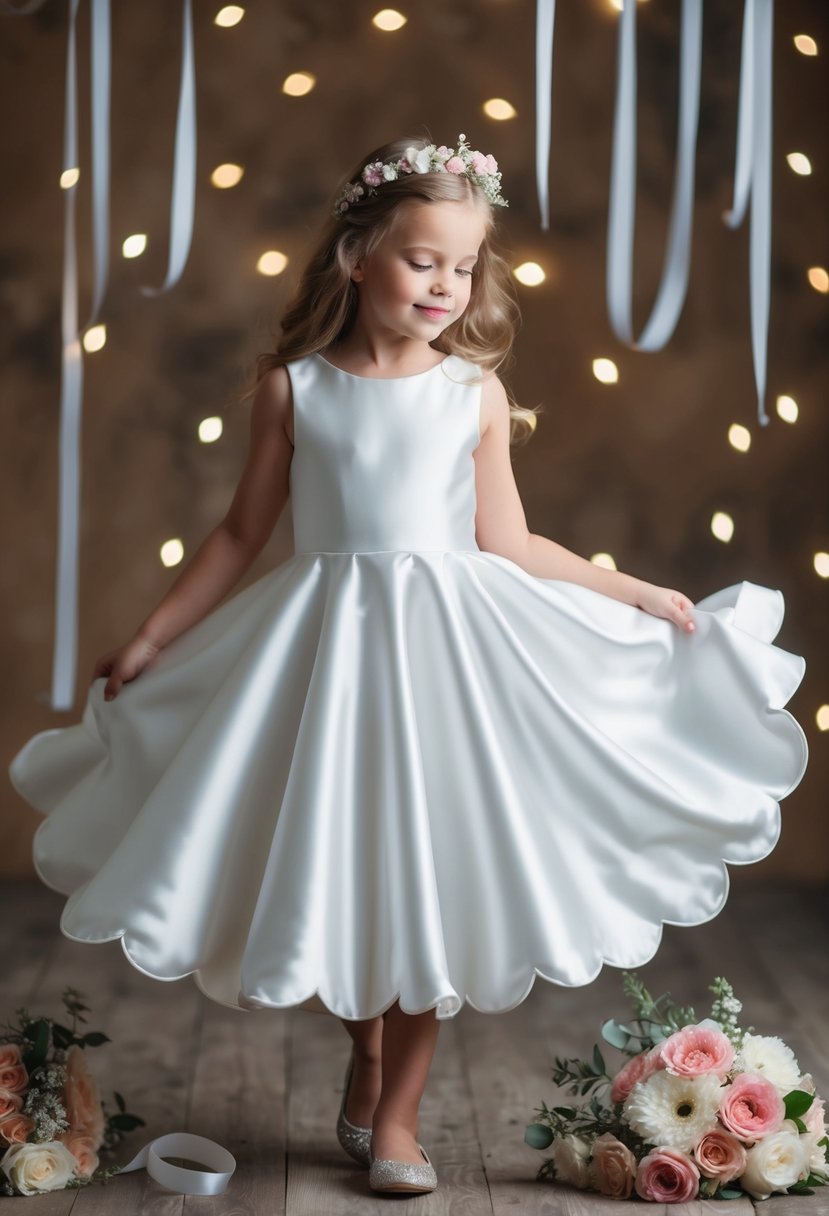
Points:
414	771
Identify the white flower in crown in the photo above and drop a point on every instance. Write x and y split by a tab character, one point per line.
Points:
420	159
464	161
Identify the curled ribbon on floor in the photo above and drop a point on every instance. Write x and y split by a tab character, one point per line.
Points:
178	1178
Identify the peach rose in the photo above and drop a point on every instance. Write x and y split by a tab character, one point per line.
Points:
82	1149
720	1155
637	1069
612	1169
16	1129
666	1175
82	1098
10	1102
751	1107
13	1074
695	1050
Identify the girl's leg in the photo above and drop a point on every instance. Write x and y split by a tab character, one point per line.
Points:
364	1090
409	1041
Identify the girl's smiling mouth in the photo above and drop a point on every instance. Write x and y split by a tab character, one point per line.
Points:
433	312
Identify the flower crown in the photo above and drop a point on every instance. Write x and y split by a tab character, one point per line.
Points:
480	169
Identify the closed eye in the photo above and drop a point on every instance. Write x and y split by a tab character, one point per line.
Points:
417	266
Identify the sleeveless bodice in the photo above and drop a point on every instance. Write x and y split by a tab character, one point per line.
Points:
384	464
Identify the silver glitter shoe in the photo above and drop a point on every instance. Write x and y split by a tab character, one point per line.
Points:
386	1174
355	1140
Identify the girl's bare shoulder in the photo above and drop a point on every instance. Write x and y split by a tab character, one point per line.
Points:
272	404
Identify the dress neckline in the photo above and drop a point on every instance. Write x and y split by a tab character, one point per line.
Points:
380	379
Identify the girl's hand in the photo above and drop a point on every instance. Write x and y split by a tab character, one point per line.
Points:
124	664
665	602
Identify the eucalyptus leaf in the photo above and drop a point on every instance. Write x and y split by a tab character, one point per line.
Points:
615	1034
728	1192
598	1060
538	1136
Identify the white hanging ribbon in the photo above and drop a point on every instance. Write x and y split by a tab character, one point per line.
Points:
545	18
752	176
183	198
622	208
178	1178
64	665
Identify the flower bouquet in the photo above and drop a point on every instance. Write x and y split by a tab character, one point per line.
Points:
51	1115
700	1109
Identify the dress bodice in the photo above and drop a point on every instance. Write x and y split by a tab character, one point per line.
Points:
384	464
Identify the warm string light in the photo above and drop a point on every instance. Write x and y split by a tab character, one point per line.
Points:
225	177
605	371
95	338
739	437
389	20
499	109
171	552
799	163
818	278
722	526
805	44
229	16
210	429
272	262
529	274
604	560
298	84
133	246
821	564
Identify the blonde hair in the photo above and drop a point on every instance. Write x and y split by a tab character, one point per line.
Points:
324	305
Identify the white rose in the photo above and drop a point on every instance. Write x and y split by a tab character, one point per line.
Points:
773	1059
570	1155
775	1162
419	159
34	1168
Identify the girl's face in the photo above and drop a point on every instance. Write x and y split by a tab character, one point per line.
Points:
419	278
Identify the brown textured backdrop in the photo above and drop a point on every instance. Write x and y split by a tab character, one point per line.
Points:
636	468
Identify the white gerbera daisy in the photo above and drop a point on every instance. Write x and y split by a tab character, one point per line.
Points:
769	1056
674	1111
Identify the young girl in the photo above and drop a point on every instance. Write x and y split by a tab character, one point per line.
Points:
432	755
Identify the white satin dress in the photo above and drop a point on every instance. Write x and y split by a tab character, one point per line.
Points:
397	766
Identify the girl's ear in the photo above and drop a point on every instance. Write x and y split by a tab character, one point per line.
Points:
357	275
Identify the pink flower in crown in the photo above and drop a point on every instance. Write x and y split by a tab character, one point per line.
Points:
698	1049
444	153
491	164
479	163
404	165
638	1069
455	165
751	1107
373	174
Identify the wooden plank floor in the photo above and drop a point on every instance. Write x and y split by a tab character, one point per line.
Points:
267	1084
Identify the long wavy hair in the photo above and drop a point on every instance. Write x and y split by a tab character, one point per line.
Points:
324	305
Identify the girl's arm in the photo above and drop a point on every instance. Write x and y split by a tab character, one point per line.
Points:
501	526
230	548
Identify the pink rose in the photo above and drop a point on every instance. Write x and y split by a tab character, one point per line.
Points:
373	174
695	1050
16	1129
82	1098
666	1175
721	1156
455	165
751	1107
82	1149
491	164
612	1168
10	1102
10	1053
637	1069
479	163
